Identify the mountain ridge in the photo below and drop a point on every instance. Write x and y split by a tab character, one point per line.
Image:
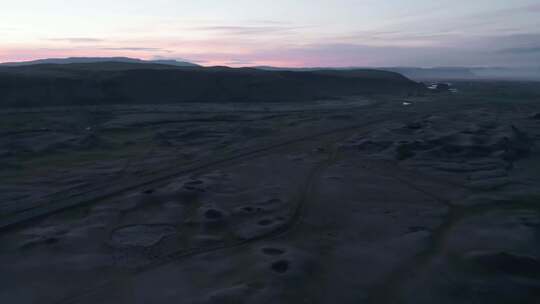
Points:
73	60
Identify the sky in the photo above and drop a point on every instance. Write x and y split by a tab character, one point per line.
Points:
295	33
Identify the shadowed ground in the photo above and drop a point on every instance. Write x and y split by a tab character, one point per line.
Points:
353	201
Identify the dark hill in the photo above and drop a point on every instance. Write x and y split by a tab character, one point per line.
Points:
119	82
72	60
434	73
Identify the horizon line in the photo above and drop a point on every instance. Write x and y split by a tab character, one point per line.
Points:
265	66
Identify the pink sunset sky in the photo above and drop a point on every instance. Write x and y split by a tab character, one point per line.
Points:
278	33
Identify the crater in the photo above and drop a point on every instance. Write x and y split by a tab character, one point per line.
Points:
141	235
280	266
194	182
273	251
192	188
414	229
274	201
248	209
265	222
40	241
213	214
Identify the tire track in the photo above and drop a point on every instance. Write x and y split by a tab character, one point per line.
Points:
86	197
294	222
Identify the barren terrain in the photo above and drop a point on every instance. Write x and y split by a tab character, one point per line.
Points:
432	199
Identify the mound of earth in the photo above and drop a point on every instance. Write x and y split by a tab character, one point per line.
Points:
475	145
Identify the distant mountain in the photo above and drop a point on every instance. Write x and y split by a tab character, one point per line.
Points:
433	73
72	60
518	73
487	73
271	68
410	72
441	73
175	63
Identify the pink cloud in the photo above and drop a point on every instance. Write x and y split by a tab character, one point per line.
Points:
480	51
23	54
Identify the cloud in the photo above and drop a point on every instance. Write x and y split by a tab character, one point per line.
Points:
237	62
532	8
341	51
361	55
77	40
500	43
199	61
521	50
245	30
159	57
145	49
399	38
